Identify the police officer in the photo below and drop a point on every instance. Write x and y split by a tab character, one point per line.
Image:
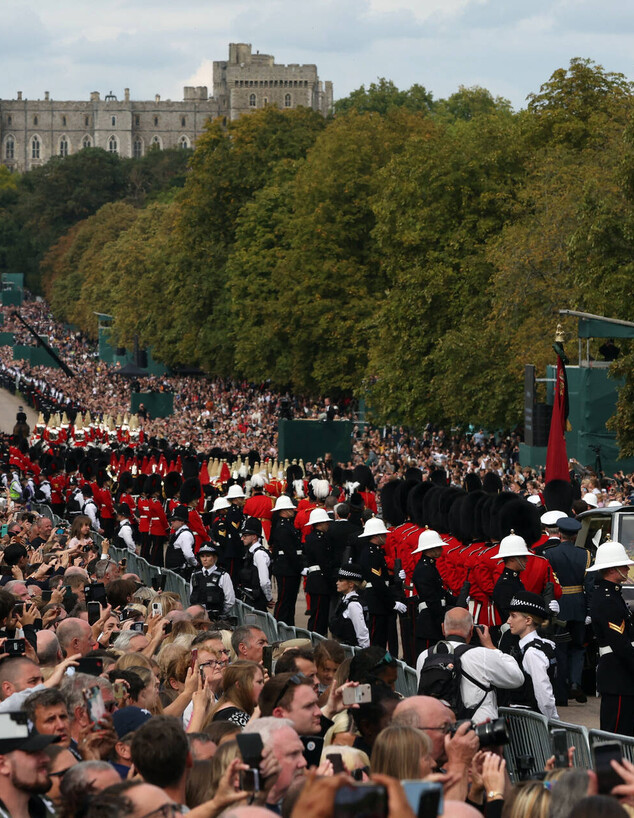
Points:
211	586
379	595
288	559
320	570
233	553
432	596
570	564
255	577
179	555
124	536
614	629
348	623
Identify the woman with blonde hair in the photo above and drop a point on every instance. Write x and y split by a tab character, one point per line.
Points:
353	759
241	686
402	752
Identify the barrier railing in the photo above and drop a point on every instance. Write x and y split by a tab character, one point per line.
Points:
529	747
626	742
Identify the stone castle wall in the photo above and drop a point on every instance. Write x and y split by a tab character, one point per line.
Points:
32	131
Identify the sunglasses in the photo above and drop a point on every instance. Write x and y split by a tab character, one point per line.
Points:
295	679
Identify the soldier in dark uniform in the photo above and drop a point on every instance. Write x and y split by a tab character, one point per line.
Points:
288	559
255	575
549	523
233	554
432	596
179	554
219	532
211	586
320	570
379	594
570	564
514	553
614	629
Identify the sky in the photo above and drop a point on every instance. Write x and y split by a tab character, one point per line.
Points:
510	47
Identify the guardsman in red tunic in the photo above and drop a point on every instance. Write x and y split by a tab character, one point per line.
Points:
260	505
159	527
190	494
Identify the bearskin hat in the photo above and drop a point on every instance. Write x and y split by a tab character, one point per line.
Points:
172	483
558	496
492	483
499	501
362	475
523	518
126	481
413	473
152	484
439	478
472	482
415	503
392	511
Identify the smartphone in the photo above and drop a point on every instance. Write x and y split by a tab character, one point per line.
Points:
267	659
479	628
336	759
95	707
18	608
138	627
157	609
251	748
59	531
194	658
123	562
250	780
94	612
96	593
603	754
15	647
4	530
424	797
93	665
46	596
357	695
368	800
119	691
313	746
559	746
158	583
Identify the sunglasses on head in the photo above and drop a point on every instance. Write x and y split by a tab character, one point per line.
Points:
295	679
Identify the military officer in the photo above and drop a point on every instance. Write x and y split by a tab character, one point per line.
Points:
570	564
614	629
320	579
288	559
233	554
432	596
179	555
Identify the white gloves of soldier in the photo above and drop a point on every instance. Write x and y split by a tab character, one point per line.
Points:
588	620
402	575
554	606
400	608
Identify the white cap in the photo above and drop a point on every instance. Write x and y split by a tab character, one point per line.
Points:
614	504
591	499
534	499
610	555
373	528
428	539
551	518
235	491
512	546
283	503
220	503
318	515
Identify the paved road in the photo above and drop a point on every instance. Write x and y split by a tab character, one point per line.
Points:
9	408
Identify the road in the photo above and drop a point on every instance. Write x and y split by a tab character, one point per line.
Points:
9	408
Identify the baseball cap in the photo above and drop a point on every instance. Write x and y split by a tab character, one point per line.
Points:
16	734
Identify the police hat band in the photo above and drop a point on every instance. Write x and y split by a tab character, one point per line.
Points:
347	574
527	606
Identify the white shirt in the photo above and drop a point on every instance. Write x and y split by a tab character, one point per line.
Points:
489	666
535	663
354	612
125	532
261	560
90	510
226	585
184	541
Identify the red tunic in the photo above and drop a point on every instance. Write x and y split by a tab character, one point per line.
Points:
260	506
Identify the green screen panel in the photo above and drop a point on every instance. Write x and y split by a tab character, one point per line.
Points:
310	439
158	404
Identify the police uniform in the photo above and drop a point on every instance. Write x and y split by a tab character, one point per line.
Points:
320	579
348	623
179	555
570	564
212	587
254	576
614	628
288	564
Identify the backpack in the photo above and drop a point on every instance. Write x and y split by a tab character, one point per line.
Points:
441	675
39	496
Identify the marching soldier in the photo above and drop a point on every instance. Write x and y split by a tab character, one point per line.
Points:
259	504
320	570
211	586
234	551
288	559
570	564
614	629
219	532
433	599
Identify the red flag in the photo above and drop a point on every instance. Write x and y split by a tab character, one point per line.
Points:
556	456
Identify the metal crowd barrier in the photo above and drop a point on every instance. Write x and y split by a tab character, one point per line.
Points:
529	747
577	737
626	742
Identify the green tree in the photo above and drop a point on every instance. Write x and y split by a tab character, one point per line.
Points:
383	96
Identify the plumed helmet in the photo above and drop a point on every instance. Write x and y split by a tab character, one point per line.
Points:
321	488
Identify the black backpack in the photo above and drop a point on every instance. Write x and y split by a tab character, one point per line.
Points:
441	675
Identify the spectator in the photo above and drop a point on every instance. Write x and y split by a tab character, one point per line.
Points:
403	753
280	735
160	754
47	710
299	660
241	686
75	637
293	697
248	642
24	776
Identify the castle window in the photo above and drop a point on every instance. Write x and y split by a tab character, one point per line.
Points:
156	142
9	121
9	148
63	146
266	101
86	121
137	121
114	122
252	100
36	147
237	83
113	145
183	122
183	143
287	100
137	149
64	121
155	121
35	121
86	142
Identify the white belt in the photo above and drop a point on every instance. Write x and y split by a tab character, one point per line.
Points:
423	605
368	585
607	649
313	568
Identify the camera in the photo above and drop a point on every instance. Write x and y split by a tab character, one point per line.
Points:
489	733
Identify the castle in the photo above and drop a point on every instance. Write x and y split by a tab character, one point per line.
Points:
31	131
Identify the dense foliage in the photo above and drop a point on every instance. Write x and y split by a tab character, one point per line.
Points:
410	250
